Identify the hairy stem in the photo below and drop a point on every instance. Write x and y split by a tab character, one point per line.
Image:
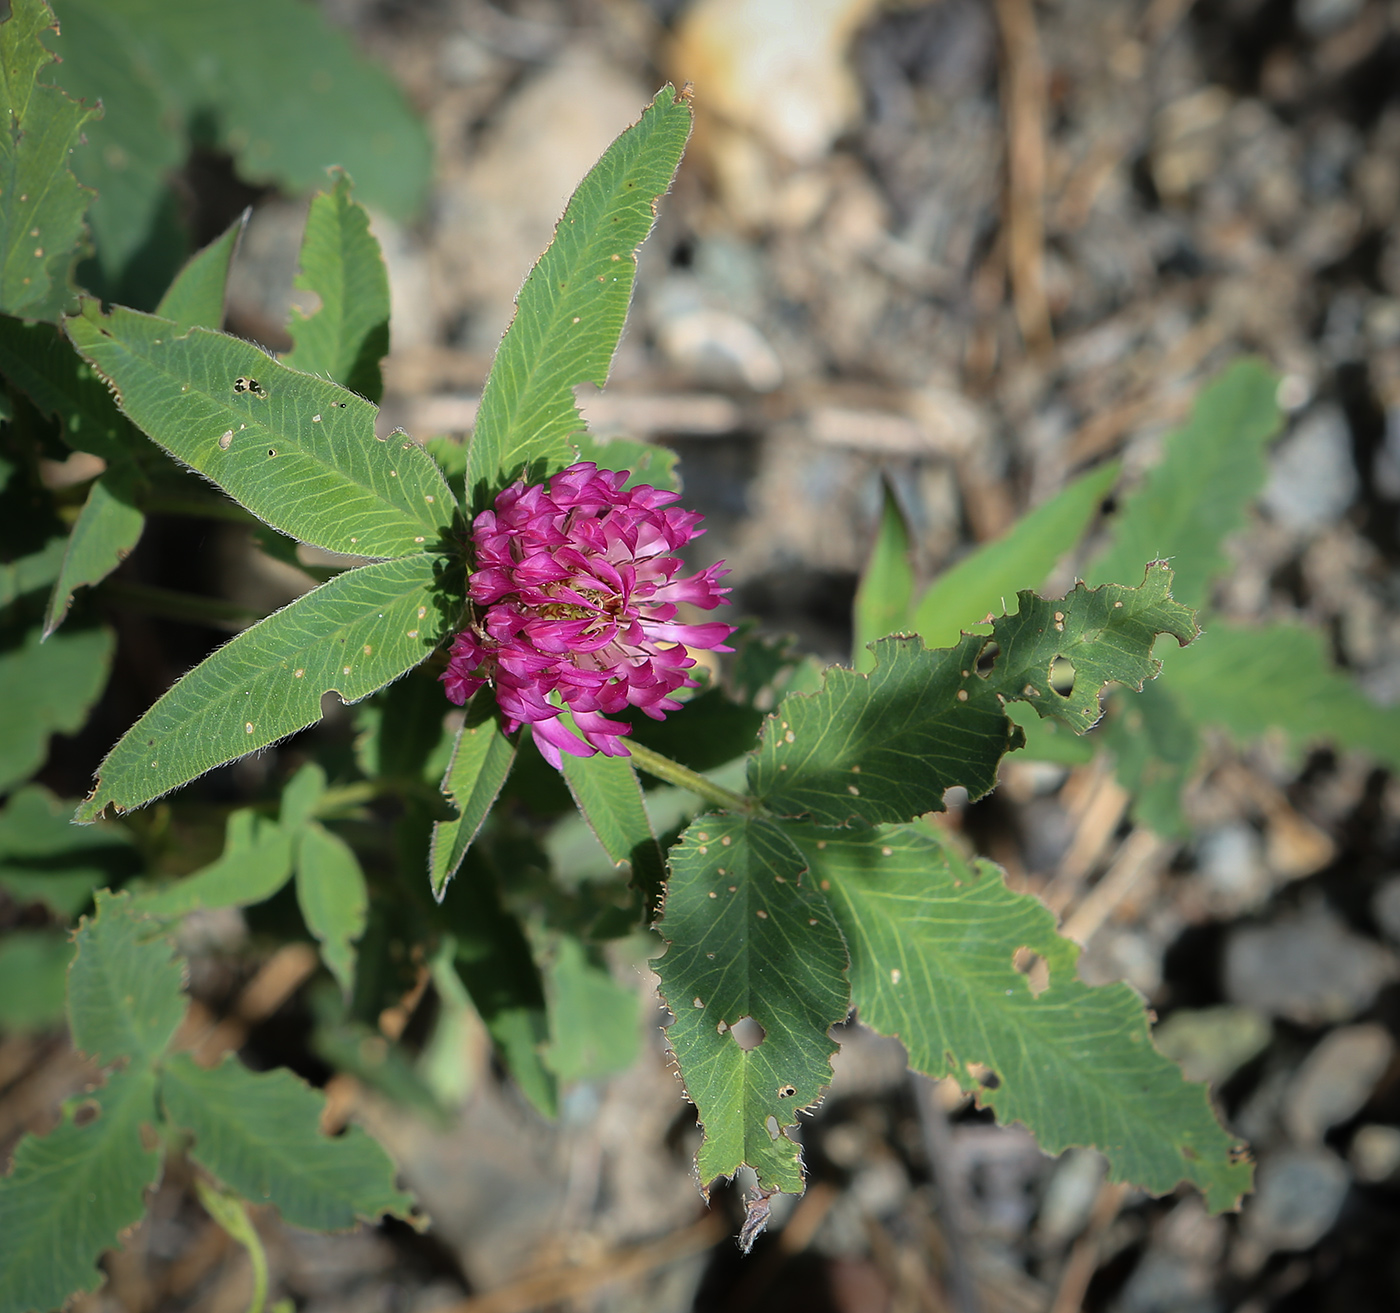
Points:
681	776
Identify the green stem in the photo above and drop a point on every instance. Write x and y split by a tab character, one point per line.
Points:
228	1211
674	773
175	605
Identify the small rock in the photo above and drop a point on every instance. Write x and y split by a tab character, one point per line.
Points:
1069	1199
1385	907
1211	1044
1318	18
1231	864
1298	1194
1313	477
776	67
1335	1081
1162	1283
1306	966
1375	1153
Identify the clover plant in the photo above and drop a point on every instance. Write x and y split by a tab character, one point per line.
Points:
542	764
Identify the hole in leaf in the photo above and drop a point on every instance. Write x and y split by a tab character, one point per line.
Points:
748	1034
984	1075
786	1091
1035	969
1062	676
774	1129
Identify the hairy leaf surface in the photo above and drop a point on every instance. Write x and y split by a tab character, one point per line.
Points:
885	746
41	220
72	1193
350	636
572	306
348	335
934	945
259	1132
747	940
480	763
124	997
299	452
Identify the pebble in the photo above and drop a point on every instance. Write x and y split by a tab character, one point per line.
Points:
1231	865
1069	1199
1375	1152
1385	907
1313	477
1336	1080
1298	1194
1305	966
1211	1044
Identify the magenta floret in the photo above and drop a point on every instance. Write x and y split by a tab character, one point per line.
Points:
575	607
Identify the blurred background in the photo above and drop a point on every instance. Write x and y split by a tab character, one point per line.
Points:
970	247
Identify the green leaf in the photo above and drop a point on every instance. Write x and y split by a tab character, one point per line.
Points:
572	306
61	679
746	939
256	863
610	800
885	746
41	362
259	1133
1023	557
1105	633
347	337
481	760
33	980
645	462
933	943
27	573
45	858
350	636
594	1023
494	962
41	221
105	534
1249	680
1210	474
196	298
130	158
301	795
235	77
408	730
124	997
299	452
1155	746
887	587
333	898
73	1192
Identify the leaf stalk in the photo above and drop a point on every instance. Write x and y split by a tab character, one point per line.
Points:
683	777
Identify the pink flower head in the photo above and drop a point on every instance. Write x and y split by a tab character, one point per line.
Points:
575	608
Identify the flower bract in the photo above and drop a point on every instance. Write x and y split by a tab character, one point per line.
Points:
575	603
